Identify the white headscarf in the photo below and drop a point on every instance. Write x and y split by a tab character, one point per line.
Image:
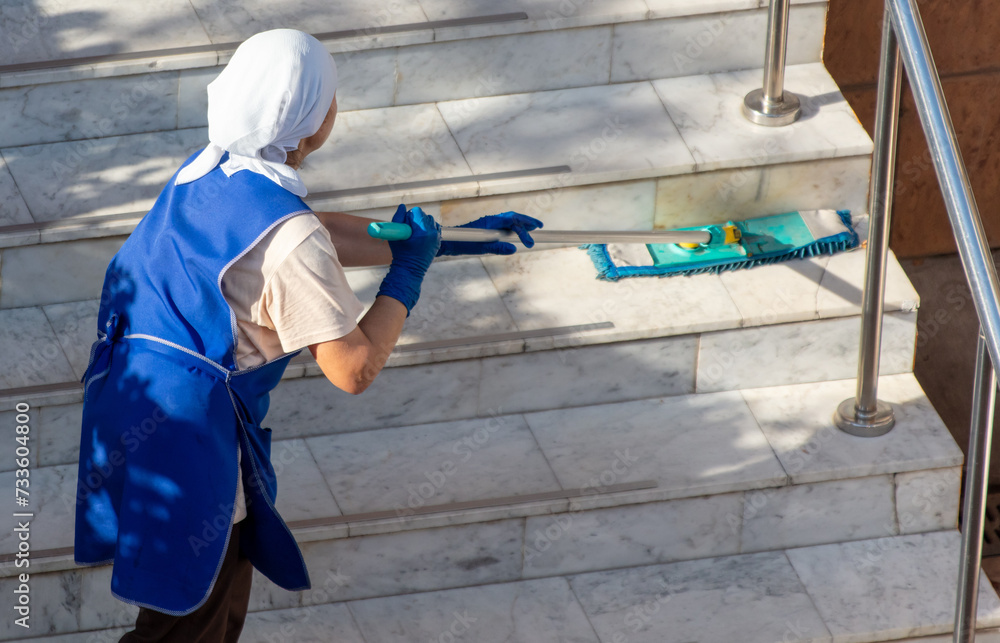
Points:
276	90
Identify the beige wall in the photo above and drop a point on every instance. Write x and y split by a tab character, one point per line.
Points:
964	37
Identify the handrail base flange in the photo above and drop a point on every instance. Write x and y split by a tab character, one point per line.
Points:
771	114
849	421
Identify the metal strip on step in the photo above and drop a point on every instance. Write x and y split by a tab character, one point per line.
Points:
419	511
562	494
502	337
231	46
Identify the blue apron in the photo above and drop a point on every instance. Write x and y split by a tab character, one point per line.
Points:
166	411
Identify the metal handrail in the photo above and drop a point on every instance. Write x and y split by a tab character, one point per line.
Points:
904	37
771	105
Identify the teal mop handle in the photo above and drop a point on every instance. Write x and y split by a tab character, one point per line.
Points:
400	231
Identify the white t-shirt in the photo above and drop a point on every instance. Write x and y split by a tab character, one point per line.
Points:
288	292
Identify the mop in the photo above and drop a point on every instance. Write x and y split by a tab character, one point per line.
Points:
687	251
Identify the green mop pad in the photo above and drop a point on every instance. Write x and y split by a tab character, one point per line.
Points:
764	240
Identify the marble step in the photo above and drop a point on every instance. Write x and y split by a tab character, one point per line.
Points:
899	588
486	326
639	155
389	53
751	471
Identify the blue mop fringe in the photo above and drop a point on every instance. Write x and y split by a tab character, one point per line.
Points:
608	271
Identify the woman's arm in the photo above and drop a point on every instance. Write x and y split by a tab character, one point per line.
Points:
350	237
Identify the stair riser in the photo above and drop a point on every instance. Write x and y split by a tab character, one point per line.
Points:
371	78
560	543
664	203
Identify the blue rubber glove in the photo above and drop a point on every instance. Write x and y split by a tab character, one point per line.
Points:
522	224
412	257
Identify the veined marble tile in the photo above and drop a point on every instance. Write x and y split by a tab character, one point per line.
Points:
613	132
192	96
504	65
302	491
630	535
367	78
842	287
52	498
539	610
792	353
798	423
31	350
313	623
611	206
587	375
707	43
779	293
237	20
39	30
457	300
823	512
88	109
99	609
753	598
425	560
75	325
385	147
55	605
928	500
409	467
99	176
888	588
55	273
57	429
560	288
69	395
706	110
13	209
13	238
693	445
398	397
748	192
673	8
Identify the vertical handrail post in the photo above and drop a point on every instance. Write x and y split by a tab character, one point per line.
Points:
772	105
864	415
977	469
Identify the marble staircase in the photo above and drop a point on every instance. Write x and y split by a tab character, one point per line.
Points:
547	456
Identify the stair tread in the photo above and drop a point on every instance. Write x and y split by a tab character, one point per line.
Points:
692	446
480	299
608	139
37	41
896	588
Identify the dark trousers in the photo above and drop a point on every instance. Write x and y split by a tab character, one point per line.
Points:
218	620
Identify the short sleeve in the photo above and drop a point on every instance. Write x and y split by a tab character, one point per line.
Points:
307	299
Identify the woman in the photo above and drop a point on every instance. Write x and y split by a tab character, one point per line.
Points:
220	285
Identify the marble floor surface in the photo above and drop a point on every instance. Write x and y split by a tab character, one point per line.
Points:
900	588
691	446
42	30
476	303
603	133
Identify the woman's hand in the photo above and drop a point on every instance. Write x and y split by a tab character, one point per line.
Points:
521	224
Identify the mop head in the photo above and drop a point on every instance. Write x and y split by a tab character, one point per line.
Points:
765	240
